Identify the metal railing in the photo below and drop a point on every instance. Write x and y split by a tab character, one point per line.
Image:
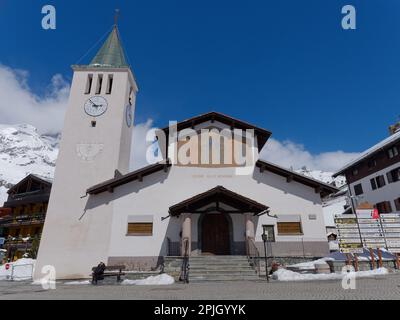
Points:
20	242
185	262
20	272
23	220
253	255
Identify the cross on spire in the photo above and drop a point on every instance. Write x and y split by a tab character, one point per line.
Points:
116	16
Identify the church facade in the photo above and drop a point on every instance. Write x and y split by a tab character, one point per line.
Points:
209	194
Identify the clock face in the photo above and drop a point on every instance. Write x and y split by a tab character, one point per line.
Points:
96	106
128	115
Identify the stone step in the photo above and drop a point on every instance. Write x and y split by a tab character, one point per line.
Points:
214	268
222	273
219	267
207	258
222	264
230	258
223	278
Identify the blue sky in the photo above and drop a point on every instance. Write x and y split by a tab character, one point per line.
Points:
287	66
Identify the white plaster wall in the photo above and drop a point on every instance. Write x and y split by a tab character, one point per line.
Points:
389	192
74	241
161	190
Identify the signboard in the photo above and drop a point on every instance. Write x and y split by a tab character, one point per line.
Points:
390	225
348	234
354	232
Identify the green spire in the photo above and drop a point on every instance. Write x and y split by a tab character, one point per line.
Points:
111	54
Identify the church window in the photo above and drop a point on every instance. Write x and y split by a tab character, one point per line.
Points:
89	84
110	84
99	83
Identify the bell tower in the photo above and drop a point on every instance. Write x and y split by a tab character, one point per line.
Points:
96	141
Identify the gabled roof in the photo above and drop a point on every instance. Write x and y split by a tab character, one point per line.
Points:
389	141
218	195
323	188
262	134
111	54
120	180
39	179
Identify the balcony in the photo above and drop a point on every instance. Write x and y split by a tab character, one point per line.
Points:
22	220
19	242
27	198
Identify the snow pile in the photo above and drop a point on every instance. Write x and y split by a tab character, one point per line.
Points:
78	283
19	270
24	151
162	279
287	275
311	264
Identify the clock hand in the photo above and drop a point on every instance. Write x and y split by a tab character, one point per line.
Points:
95	105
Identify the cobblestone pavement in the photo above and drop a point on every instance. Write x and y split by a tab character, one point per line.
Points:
383	287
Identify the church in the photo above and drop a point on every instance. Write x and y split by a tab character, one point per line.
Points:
202	198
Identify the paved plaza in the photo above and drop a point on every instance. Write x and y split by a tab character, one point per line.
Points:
382	287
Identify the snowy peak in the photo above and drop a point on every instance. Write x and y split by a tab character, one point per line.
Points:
24	151
323	176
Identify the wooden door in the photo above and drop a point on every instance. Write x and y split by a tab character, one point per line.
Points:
215	235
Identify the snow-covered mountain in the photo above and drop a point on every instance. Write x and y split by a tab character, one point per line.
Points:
24	151
323	176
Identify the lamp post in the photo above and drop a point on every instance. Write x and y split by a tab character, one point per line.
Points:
265	239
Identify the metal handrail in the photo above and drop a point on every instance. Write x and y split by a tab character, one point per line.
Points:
253	255
185	262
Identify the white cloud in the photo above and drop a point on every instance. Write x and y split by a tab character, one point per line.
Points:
289	154
18	104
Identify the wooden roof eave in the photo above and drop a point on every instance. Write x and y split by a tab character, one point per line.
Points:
217	194
319	187
111	184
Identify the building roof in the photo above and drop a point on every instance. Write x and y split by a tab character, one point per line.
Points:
323	188
261	134
40	179
391	140
218	195
120	180
111	54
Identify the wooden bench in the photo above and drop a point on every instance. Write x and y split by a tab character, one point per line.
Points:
110	271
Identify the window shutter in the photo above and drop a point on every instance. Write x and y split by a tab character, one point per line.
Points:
289	228
140	228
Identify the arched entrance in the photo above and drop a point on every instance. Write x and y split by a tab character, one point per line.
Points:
215	238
